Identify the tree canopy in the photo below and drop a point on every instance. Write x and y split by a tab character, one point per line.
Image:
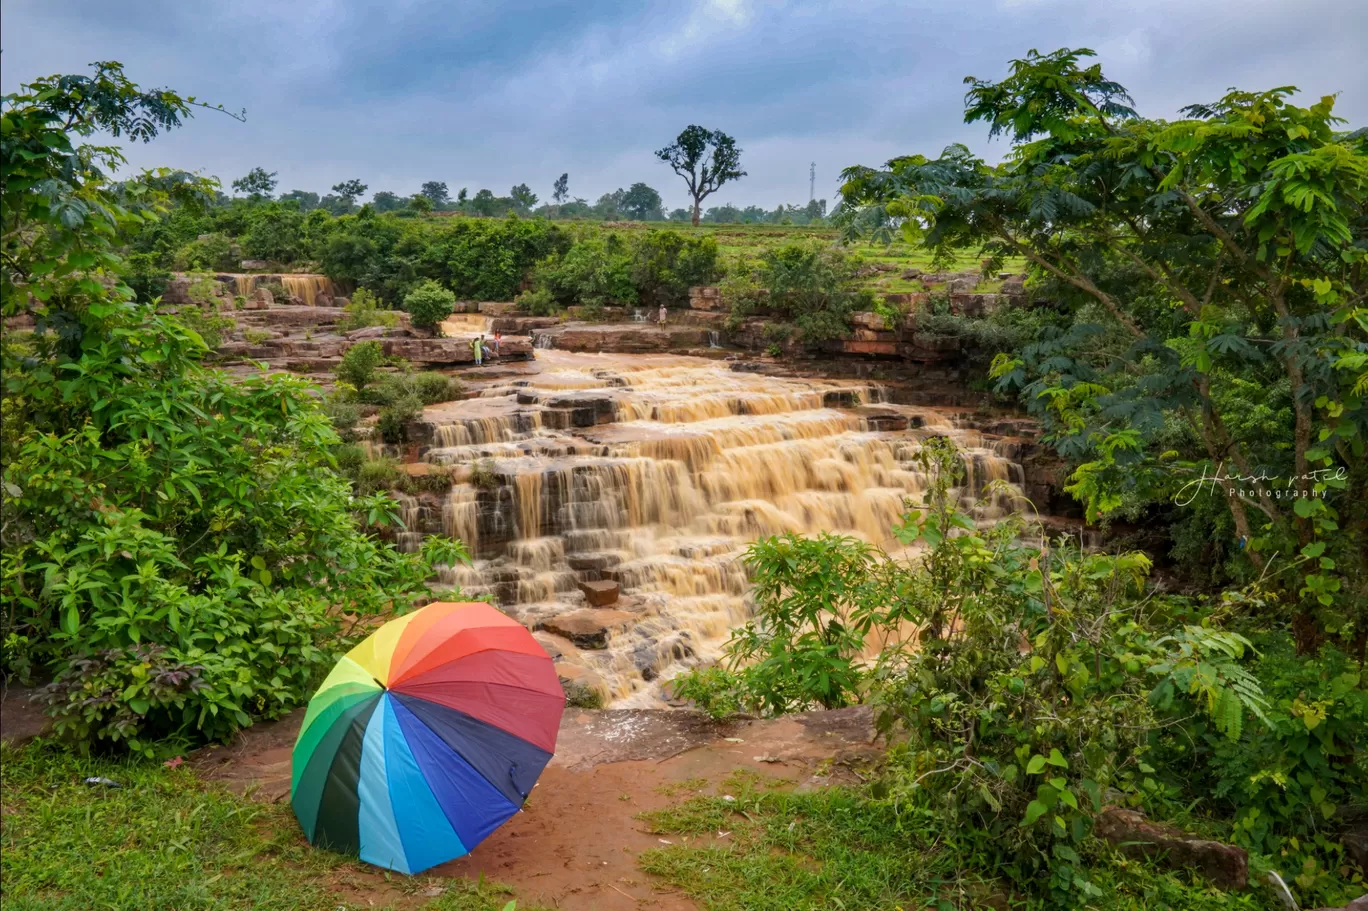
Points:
1215	267
706	159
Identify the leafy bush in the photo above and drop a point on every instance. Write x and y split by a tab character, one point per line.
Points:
429	304
374	475
429	388
145	277
596	270
175	539
1031	679
359	364
812	285
364	310
256	336
396	416
212	252
538	302
665	264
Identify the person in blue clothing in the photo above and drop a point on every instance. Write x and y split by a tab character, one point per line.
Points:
477	345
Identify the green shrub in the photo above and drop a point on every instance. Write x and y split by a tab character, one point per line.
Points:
429	388
538	302
177	544
597	269
349	457
343	416
364	310
482	475
256	336
143	274
380	474
1029	679
278	291
665	264
359	363
429	304
207	319
396	416
813	285
212	252
433	388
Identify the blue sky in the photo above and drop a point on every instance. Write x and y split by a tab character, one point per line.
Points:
494	94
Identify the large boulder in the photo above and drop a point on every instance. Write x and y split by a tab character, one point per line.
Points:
600	594
1135	836
589	627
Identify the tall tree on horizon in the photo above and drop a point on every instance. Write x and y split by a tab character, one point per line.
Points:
349	190
706	159
560	190
257	183
436	191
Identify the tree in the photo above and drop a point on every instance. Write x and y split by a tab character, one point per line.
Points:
349	191
523	197
175	539
679	215
385	201
609	205
305	199
257	183
706	159
484	203
420	203
436	191
1214	265
642	203
560	191
461	197
429	304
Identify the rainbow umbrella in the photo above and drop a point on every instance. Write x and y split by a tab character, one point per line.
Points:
426	737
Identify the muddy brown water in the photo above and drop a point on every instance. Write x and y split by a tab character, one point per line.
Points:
657	472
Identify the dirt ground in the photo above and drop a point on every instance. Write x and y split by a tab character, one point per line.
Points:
574	845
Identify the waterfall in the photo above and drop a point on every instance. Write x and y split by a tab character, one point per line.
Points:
713	337
696	463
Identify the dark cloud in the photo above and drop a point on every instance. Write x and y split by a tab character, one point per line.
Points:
484	94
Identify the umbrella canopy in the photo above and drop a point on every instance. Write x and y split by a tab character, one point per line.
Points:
426	737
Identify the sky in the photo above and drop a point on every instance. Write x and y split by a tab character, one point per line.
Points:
494	94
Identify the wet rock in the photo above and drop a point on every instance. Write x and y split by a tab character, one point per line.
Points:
556	646
1135	836
583	687
705	297
840	398
264	298
600	594
590	627
367	332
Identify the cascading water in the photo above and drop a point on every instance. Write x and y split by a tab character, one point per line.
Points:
305	286
657	473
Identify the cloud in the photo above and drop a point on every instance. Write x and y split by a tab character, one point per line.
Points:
480	94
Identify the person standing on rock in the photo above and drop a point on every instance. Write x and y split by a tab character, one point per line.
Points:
662	316
477	345
498	342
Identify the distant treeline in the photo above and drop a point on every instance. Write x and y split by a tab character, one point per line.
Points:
639	202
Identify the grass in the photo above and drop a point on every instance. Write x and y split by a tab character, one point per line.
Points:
167	840
836	848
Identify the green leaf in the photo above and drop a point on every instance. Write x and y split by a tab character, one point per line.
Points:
1057	759
1036	765
1034	810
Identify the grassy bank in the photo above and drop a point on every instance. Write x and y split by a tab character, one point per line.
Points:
836	848
167	841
